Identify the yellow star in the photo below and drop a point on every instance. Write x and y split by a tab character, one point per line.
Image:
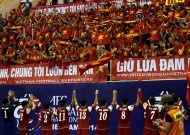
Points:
21	43
4	39
100	69
118	35
136	54
188	50
34	58
11	37
115	49
47	34
180	51
100	37
65	32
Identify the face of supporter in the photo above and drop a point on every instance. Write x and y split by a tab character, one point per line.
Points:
102	49
89	44
63	52
105	28
113	41
177	42
135	45
50	53
81	48
72	49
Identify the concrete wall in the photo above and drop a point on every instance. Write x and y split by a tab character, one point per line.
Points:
10	4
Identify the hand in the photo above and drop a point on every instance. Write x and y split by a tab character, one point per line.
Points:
96	92
31	97
155	123
74	92
114	91
139	89
159	121
10	93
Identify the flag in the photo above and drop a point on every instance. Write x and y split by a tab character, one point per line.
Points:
94	64
19	10
188	88
180	1
169	2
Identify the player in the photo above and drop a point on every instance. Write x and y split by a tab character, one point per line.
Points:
152	113
28	106
83	115
124	116
103	114
63	117
46	116
7	111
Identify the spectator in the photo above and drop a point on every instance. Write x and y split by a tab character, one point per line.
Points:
27	5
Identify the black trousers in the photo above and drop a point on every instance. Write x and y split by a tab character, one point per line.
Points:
54	2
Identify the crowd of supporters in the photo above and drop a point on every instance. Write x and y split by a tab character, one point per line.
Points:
128	31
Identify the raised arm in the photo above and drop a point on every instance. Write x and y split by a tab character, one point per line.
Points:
32	102
114	102
75	98
96	97
140	95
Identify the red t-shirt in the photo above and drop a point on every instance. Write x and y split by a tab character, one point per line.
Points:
83	117
24	120
152	113
124	116
63	117
46	116
103	117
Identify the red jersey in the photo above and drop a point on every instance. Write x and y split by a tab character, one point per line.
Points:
92	53
83	117
46	116
137	53
103	117
63	117
152	113
124	116
24	119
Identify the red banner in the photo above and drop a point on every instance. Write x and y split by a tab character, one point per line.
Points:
64	8
42	74
151	68
72	7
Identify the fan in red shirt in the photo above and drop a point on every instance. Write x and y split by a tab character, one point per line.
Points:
83	115
136	51
103	112
124	51
90	52
46	119
124	111
24	119
35	56
63	118
152	113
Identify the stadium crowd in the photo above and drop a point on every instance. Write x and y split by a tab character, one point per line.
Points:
128	31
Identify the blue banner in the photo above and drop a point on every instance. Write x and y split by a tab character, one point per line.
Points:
54	93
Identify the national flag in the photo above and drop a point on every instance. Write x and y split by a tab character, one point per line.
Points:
188	88
169	2
19	10
94	64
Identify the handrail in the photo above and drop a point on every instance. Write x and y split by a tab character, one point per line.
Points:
2	2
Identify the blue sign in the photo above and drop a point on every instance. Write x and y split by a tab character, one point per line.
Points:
56	92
